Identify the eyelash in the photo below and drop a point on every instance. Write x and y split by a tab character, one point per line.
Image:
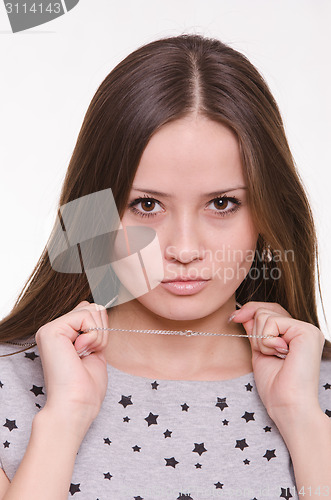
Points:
232	199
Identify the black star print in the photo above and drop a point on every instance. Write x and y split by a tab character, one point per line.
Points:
11	424
31	355
269	454
198	466
107	476
38	405
74	488
126	419
1	385
138	498
241	443
6	444
154	385
249	387
136	448
327	386
126	400
221	403
151	419
167	433
267	428
285	493
248	416
246	461
225	422
219	485
184	407
171	462
107	441
328	413
187	496
199	448
36	390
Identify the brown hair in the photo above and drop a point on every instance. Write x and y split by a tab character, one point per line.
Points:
160	82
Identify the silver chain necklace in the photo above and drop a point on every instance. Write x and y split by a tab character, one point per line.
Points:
185	333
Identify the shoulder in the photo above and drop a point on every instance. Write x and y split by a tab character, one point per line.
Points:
21	375
324	389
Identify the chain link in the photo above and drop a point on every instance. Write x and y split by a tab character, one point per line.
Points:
186	333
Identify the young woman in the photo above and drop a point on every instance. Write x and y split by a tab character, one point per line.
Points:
229	395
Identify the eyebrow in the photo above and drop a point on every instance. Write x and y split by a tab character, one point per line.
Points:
166	195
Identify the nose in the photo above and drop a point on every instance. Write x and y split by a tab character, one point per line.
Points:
184	242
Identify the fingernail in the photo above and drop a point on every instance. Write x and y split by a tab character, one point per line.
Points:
281	349
232	316
283	356
85	353
82	352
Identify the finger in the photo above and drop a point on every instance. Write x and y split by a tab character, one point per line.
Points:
248	311
94	340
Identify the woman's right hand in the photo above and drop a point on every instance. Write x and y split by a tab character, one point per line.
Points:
75	386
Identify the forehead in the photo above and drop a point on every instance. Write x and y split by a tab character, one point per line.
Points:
191	152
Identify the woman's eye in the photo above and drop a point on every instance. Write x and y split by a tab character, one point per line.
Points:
145	207
224	205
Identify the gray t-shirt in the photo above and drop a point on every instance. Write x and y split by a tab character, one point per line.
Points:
160	439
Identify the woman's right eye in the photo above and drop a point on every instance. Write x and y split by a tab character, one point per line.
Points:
145	207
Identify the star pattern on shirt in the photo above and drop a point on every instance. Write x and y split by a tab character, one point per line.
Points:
151	419
248	416
199	448
269	454
200	442
37	390
241	443
171	462
221	403
31	355
125	401
10	424
285	493
74	488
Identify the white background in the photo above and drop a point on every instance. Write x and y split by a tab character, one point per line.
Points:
49	74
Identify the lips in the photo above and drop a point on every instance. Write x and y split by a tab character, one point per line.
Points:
184	286
181	278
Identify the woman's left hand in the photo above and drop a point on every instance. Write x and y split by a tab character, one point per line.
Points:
284	383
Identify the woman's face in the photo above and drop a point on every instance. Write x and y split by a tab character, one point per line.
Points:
190	188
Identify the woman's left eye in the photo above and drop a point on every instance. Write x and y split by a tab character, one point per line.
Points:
221	204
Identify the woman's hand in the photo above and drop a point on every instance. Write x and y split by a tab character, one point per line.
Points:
75	385
289	382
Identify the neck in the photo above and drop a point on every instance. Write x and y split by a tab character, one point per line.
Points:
174	356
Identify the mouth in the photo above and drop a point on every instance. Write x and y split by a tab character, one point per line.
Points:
184	286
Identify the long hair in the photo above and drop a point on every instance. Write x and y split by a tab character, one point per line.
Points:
160	82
